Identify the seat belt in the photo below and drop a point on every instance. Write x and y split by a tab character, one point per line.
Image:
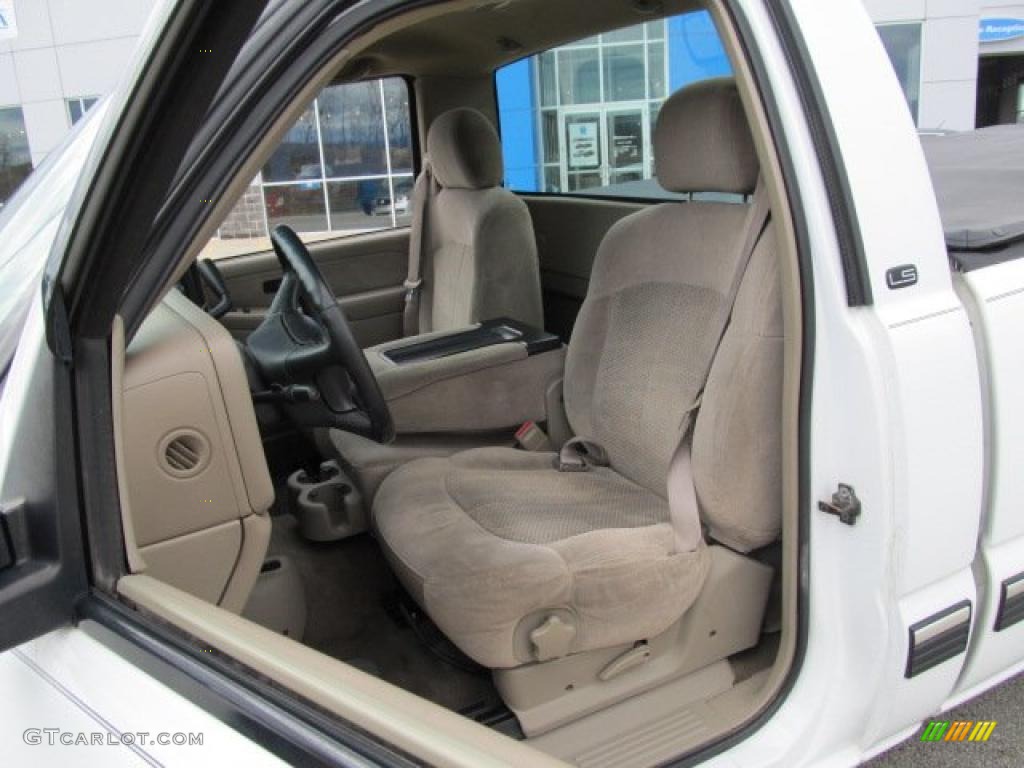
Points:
417	246
580	454
682	493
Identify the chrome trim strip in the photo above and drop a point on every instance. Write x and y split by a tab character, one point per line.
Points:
929	629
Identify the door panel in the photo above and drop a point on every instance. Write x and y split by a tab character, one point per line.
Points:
568	231
367	273
42	565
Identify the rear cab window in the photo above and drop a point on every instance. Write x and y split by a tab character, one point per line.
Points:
579	119
346	167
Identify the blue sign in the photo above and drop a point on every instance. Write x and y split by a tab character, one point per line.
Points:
999	30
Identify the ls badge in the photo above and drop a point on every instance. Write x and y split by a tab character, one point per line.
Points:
901	277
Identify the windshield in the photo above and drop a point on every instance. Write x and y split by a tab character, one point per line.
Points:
28	224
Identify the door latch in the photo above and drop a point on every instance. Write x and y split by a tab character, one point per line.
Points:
845	505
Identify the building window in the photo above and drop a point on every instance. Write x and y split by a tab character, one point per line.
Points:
903	44
79	106
579	118
15	158
344	167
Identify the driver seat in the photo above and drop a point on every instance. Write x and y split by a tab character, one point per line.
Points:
497	544
472	239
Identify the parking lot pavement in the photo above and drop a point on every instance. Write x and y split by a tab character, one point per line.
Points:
1005	748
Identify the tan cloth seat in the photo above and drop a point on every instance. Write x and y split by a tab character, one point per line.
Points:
480	256
492	541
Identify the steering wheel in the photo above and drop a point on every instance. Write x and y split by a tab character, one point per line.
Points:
305	350
209	274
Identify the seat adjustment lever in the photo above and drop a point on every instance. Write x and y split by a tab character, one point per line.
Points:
634	657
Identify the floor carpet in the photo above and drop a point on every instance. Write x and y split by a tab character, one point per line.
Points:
357	612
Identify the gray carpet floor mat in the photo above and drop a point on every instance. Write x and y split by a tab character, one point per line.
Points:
356	612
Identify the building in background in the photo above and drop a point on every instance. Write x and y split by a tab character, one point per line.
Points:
345	166
56	58
582	114
576	117
960	62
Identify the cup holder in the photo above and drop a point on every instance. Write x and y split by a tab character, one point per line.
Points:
326	471
326	503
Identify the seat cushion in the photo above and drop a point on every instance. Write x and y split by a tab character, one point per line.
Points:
491	541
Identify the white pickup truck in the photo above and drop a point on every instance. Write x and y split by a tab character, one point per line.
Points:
677	420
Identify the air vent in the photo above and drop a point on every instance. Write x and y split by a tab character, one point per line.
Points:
184	453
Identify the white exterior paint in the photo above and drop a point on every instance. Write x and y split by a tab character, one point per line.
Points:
995	300
69	681
897	408
882	380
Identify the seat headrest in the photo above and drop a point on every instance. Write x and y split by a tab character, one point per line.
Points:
702	141
464	150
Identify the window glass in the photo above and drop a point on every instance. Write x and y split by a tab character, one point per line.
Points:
345	167
552	179
79	106
903	44
297	157
352	130
585	41
656	30
582	119
300	206
399	124
656	71
626	35
549	128
15	158
579	76
546	70
624	73
625	139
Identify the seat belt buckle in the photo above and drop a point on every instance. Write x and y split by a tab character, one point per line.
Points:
579	455
530	437
571	463
412	287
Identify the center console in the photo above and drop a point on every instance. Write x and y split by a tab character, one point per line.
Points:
502	331
493	375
